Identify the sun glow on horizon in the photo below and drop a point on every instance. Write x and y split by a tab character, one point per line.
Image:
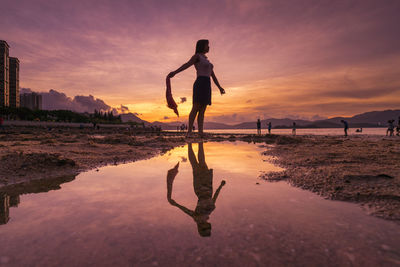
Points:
271	58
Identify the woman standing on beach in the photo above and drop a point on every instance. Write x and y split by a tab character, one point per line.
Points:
202	85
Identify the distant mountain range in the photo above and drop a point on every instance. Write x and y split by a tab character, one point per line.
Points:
130	117
367	119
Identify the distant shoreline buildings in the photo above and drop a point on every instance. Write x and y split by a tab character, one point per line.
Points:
9	77
31	100
13	95
9	83
4	74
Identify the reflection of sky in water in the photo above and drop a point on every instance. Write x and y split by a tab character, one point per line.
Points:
121	215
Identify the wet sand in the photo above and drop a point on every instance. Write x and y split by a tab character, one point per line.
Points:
32	153
362	169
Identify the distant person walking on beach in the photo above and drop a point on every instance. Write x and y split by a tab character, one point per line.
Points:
258	126
202	85
269	127
346	126
390	129
398	127
294	129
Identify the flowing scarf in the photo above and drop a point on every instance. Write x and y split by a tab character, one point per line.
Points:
170	100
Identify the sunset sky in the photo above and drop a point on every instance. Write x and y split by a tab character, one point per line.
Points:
298	59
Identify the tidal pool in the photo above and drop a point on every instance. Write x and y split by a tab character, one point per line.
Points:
197	205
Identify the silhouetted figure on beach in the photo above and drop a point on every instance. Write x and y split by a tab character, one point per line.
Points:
346	127
294	128
203	188
258	126
398	127
202	85
359	130
269	127
390	129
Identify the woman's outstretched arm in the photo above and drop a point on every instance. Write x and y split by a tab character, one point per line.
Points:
222	90
183	208
170	179
217	191
191	61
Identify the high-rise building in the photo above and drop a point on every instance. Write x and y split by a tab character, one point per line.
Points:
14	82
4	74
31	100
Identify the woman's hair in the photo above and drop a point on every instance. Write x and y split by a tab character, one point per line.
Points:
201	45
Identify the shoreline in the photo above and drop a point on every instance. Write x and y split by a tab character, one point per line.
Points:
33	153
360	169
363	170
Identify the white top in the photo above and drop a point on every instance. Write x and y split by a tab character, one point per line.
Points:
203	66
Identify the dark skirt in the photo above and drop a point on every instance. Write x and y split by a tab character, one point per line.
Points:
202	90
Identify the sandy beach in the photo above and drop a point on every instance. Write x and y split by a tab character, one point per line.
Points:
361	169
31	153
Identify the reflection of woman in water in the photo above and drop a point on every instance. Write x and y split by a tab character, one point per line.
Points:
202	85
202	184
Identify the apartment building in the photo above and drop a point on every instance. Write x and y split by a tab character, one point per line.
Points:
14	83
4	74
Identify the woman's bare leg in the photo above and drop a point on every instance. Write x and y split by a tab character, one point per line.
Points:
200	118
192	116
